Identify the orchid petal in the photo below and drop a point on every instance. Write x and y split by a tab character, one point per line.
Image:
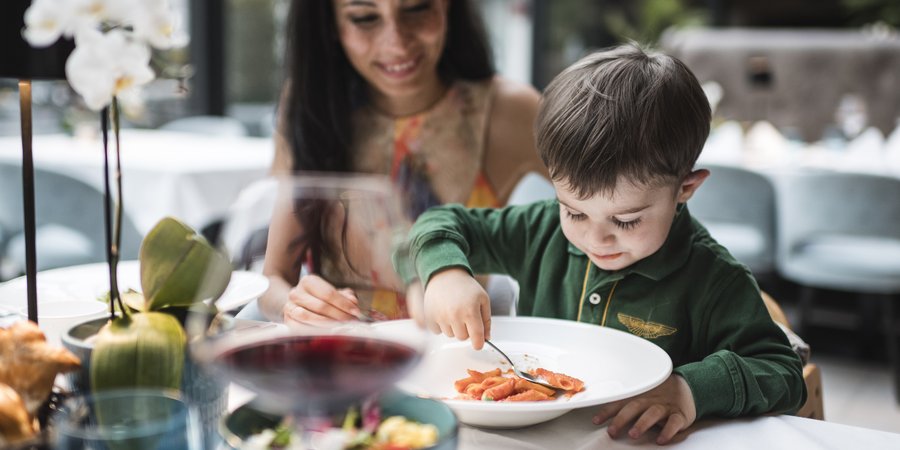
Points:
45	21
104	65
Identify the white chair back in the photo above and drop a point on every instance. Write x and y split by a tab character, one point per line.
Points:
737	206
840	231
69	220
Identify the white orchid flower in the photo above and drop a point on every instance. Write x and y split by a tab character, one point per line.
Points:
112	62
91	13
104	65
46	21
160	26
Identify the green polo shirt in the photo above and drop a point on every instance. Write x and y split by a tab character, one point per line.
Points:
690	297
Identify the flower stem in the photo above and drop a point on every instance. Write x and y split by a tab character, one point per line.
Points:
112	251
117	226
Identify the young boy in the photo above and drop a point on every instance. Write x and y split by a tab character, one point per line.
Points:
620	132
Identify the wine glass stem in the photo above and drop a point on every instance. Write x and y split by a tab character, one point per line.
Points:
312	425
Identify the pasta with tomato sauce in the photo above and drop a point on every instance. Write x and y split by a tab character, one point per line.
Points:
498	386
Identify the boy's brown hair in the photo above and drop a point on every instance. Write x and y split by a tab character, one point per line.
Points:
622	112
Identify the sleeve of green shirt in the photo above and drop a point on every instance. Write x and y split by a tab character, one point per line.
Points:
750	368
482	240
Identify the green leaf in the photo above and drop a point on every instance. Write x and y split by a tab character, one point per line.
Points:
142	350
179	267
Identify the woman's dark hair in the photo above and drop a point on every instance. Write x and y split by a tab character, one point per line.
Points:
325	89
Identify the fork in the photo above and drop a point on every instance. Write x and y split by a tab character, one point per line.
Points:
520	373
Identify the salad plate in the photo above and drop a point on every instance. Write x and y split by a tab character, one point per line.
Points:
92	281
238	427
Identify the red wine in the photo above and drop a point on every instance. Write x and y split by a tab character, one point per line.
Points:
319	374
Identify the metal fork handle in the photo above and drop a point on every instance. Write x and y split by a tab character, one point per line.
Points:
520	373
500	352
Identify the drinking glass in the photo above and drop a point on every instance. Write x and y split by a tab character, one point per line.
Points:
348	230
133	419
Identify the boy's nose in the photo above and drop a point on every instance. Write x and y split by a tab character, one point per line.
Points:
601	237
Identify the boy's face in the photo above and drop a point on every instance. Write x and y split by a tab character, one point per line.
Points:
619	230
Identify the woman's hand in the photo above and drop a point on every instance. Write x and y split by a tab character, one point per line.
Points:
670	404
316	300
457	305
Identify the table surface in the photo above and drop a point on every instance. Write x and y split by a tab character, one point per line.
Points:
575	431
190	176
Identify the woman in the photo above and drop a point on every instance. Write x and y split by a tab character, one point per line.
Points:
398	87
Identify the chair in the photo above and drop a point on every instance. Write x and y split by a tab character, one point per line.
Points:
531	188
737	206
814	408
246	225
841	231
69	220
215	125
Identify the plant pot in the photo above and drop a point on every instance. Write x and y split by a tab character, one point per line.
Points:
205	393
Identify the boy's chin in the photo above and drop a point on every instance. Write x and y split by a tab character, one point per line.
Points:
608	264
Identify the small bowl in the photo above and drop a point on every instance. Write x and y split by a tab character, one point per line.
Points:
246	421
77	339
55	318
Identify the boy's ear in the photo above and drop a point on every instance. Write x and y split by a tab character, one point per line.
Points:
690	184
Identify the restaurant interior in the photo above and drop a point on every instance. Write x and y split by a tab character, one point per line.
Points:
804	155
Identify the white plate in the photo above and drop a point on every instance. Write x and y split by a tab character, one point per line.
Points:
613	365
92	281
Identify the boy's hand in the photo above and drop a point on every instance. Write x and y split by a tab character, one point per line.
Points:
670	404
457	305
316	300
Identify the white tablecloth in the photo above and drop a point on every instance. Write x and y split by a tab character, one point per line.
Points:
574	431
763	149
193	177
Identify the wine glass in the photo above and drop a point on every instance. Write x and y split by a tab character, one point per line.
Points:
349	231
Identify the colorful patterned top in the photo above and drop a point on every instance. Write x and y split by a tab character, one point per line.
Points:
435	157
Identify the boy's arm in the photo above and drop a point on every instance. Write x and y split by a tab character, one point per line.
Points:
479	240
751	368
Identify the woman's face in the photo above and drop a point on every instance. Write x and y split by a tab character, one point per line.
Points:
395	46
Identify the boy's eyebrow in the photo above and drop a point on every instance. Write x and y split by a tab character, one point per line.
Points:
619	213
632	210
564	203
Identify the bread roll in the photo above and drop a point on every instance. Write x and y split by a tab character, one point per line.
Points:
29	365
15	422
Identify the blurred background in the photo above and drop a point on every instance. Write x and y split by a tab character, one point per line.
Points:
809	84
219	74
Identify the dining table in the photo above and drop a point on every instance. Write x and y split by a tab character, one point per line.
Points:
195	177
762	148
576	431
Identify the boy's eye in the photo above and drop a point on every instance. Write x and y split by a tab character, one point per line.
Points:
575	217
629	225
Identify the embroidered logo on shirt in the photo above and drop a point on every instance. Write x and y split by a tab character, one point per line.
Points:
644	329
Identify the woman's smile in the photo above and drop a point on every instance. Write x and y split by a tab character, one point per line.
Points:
400	69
